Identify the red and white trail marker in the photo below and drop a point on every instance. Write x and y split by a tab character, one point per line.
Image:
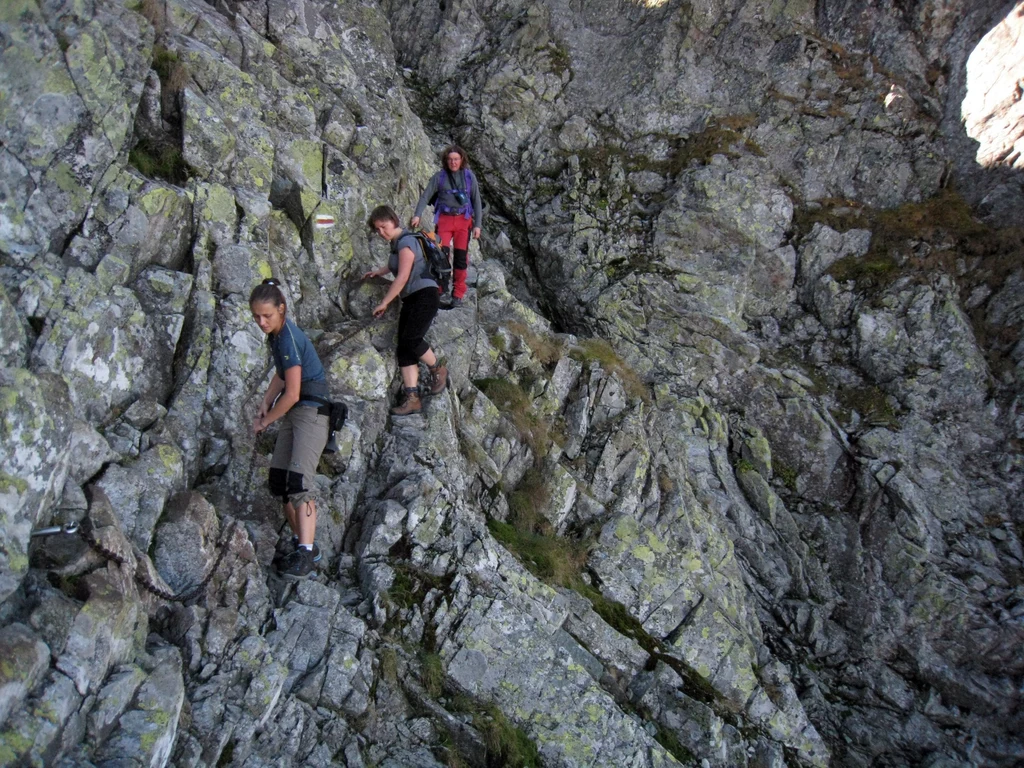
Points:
323	221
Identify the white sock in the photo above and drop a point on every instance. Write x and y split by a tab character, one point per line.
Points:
307	546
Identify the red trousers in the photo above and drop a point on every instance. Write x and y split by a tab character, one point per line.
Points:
453	232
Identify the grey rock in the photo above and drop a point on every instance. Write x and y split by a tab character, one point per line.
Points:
145	732
13	341
185	540
766	462
33	734
89	452
113	699
26	659
53	619
138	494
35	440
103	634
101	351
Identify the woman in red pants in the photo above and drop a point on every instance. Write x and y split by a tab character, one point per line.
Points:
455	195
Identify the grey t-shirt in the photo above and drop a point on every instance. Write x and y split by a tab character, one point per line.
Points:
419	277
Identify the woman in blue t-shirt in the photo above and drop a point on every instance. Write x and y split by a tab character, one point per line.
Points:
420	299
303	431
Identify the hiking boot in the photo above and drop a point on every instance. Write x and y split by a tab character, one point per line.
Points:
439	376
455	302
411	404
298	565
281	555
316	549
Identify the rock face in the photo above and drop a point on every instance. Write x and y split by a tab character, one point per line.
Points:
729	469
993	113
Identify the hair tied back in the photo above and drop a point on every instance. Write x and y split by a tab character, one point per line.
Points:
268	290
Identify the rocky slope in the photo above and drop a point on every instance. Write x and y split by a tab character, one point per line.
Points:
730	470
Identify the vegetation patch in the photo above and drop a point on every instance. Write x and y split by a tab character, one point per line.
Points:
870	402
516	406
669	741
227	754
558	59
870	271
172	71
389	665
432	674
497	341
945	214
545	349
786	474
552	559
527	502
507	745
743	465
838	213
600	351
409	589
161	161
719	138
154	12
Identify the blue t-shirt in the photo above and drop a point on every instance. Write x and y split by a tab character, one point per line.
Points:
291	347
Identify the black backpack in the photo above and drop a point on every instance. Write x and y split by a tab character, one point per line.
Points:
438	266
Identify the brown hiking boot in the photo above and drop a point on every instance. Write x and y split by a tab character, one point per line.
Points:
439	375
411	404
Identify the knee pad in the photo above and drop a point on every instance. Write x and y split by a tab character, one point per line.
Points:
278	482
461	258
295	485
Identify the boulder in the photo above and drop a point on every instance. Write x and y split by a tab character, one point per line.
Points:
35	443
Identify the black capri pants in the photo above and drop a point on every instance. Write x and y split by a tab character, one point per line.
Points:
418	311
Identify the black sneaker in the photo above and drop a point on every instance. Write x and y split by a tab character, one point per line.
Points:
316	549
298	565
280	556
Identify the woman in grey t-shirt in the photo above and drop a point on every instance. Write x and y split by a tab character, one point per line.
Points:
420	299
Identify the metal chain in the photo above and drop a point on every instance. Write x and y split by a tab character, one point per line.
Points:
248	479
360	327
142	578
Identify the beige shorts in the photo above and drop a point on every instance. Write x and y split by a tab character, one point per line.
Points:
300	441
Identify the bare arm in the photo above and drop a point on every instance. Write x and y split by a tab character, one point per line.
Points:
379	272
424	200
406	258
275	388
291	386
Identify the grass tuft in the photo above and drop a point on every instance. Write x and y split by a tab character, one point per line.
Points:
545	349
506	744
173	72
159	162
389	665
601	352
155	14
432	674
870	402
553	559
516	406
527	502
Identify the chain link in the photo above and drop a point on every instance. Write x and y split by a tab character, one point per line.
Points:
142	578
